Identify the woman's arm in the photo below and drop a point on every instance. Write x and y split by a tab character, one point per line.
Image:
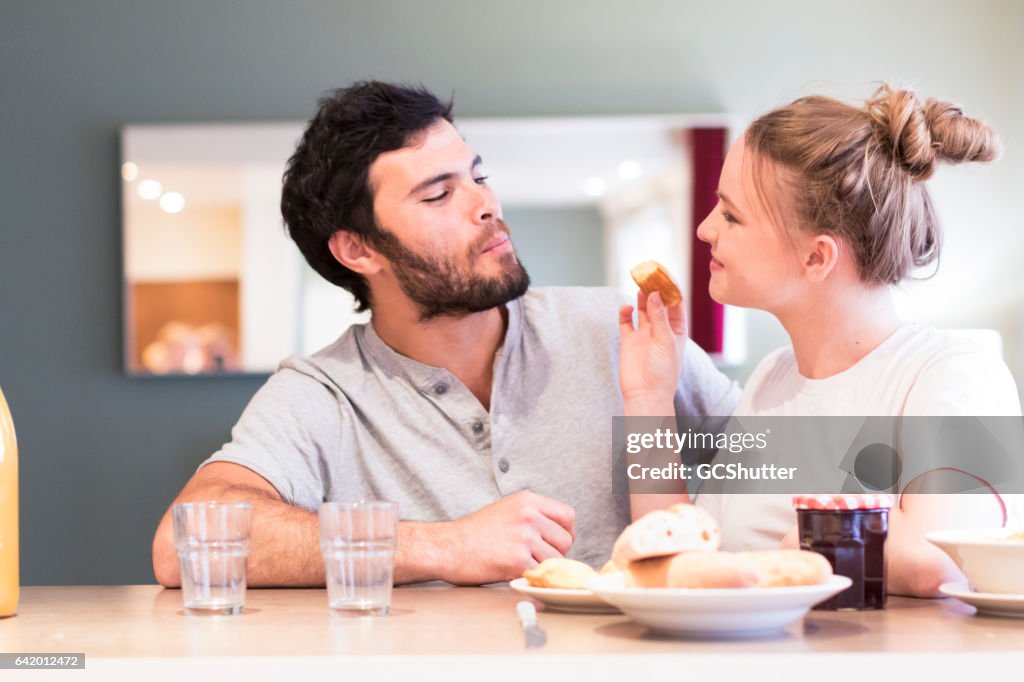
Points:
651	356
963	381
916	567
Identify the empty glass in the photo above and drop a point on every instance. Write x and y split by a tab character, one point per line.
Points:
358	543
212	542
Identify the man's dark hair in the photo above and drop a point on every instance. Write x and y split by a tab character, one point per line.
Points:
326	182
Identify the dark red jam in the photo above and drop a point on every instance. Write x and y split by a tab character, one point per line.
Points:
853	541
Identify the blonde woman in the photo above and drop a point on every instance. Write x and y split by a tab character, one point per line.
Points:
823	209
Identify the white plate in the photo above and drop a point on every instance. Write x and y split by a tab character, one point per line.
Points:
715	612
1011	605
573	601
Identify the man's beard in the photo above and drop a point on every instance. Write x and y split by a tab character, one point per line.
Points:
440	287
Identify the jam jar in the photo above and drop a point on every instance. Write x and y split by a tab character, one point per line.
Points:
849	531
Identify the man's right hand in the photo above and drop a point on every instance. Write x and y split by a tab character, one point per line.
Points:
507	537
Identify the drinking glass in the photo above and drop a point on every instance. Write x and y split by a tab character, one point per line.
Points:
212	542
358	543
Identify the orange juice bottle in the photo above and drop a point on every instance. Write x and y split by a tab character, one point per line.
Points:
8	513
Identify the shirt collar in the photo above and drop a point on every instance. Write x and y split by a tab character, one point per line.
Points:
423	375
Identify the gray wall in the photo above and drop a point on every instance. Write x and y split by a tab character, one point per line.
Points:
559	246
101	455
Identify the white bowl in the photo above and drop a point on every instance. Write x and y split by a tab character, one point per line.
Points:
991	563
714	612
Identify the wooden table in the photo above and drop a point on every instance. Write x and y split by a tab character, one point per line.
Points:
121	627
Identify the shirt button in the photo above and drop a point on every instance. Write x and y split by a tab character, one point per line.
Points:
478	428
441	389
503	466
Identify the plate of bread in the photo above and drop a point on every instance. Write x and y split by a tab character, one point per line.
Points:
675	580
558	584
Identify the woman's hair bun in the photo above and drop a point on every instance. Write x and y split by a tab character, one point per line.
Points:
919	136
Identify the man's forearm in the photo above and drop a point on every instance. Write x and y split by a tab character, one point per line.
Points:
284	549
285	546
424	551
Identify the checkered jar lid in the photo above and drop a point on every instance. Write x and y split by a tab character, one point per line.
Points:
842	502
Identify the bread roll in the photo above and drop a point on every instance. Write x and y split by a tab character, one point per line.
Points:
559	573
789	567
693	570
609	567
664	532
652	276
649	572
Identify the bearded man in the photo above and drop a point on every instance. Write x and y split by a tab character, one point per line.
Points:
481	405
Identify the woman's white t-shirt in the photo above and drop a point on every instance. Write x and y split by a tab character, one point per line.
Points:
917	371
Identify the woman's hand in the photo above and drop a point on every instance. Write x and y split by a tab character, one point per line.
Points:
650	355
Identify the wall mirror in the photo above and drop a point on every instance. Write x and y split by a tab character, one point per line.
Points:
213	284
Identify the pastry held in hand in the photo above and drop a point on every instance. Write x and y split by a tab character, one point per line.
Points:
652	276
789	567
559	573
680	528
694	570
